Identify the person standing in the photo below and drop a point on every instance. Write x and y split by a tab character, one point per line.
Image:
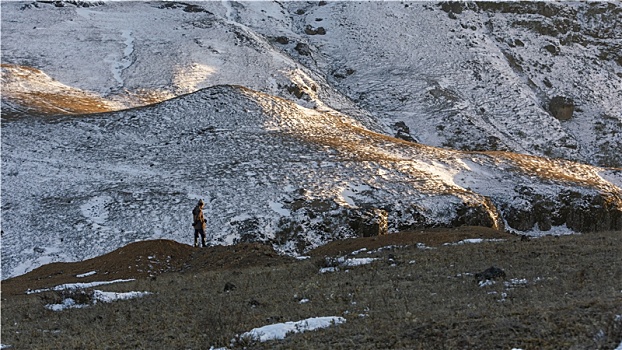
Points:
199	223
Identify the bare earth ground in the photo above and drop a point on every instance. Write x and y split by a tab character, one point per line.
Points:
150	258
558	292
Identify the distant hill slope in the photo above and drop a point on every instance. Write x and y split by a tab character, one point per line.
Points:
539	78
270	171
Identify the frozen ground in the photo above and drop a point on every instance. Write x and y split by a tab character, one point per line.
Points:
301	155
268	169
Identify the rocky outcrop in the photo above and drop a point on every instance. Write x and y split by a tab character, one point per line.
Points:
484	214
322	220
561	107
402	131
309	30
283	40
579	212
369	223
303	49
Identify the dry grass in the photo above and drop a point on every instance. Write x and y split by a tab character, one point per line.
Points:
356	143
410	298
560	170
32	92
61	103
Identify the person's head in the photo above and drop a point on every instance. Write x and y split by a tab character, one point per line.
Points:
200	203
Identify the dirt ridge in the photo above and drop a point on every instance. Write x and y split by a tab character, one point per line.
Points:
148	259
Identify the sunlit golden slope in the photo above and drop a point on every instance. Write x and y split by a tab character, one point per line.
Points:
431	170
27	90
35	92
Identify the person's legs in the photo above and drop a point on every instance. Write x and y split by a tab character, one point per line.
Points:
202	232
196	237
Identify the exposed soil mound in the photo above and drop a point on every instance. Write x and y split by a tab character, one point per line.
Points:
145	259
154	257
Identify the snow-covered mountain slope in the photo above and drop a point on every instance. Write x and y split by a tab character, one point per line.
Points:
482	78
269	170
291	141
472	76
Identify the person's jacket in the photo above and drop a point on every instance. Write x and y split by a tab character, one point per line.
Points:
199	219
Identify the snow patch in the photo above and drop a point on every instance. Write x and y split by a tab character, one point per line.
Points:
51	254
344	262
281	330
98	296
351	193
78	285
278	208
86	274
554	231
475	240
95	209
108	297
329	269
119	65
358	261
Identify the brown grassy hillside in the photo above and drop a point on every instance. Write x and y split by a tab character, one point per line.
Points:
420	293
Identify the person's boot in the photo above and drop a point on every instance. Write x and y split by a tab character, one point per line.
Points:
203	243
196	243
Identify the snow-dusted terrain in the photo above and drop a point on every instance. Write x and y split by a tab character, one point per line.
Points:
285	129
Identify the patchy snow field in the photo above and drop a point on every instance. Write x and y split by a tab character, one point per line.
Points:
289	140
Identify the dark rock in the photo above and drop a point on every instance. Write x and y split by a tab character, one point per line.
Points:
300	12
402	131
401	126
369	223
579	212
490	273
405	137
282	40
342	73
520	7
309	30
393	260
85	3
455	7
29	6
561	107
193	8
552	49
303	49
296	91
520	219
249	230
589	213
475	215
190	8
493	143
229	287
322	3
